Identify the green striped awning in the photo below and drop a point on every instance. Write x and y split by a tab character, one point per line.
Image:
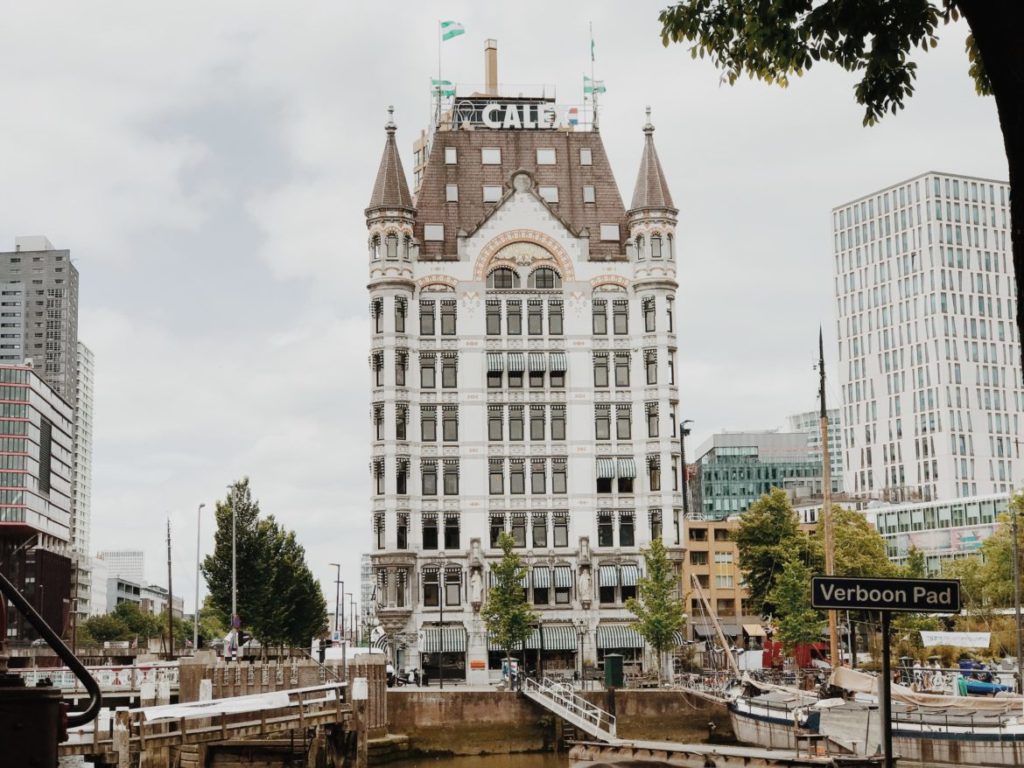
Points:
563	576
558	362
538	362
605	469
618	636
630	575
559	637
495	362
608	576
446	639
516	362
627	468
541	577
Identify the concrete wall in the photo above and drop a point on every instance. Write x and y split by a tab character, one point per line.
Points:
479	722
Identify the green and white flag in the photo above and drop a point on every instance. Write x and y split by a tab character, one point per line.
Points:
450	29
593	86
444	87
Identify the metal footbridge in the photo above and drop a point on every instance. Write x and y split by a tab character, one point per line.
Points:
560	699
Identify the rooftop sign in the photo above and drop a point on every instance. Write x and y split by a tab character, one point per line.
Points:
906	595
519	114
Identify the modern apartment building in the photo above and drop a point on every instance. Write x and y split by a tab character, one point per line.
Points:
734	469
928	347
524	379
35	495
940	530
127	564
39	300
809	422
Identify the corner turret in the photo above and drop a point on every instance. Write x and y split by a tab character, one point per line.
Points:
391	214
651	216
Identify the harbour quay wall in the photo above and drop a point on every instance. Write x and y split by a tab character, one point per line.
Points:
499	722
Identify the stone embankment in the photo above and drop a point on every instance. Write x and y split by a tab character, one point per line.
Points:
466	722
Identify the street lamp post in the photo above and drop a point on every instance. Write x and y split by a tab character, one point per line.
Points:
235	623
195	622
683	432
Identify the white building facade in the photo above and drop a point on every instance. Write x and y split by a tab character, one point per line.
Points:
524	379
127	564
929	354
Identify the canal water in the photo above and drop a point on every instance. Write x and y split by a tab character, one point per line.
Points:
539	760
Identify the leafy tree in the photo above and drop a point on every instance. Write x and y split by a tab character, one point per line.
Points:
774	39
137	623
914	568
768	535
101	629
859	548
971	573
278	601
210	625
506	615
797	621
659	613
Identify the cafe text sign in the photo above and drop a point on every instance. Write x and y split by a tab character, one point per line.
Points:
906	595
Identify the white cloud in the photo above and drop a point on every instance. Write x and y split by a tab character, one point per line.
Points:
208	166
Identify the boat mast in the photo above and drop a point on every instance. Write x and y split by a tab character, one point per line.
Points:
826	501
718	627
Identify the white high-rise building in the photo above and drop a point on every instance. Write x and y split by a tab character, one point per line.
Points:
81	485
929	354
127	564
524	379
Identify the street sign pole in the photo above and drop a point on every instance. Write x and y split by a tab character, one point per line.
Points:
885	693
885	596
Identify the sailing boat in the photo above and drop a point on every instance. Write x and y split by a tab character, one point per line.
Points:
928	728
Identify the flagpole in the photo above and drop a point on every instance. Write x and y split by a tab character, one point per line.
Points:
593	91
437	117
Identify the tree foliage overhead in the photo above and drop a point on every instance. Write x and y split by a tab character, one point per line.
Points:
658	610
775	39
279	601
506	614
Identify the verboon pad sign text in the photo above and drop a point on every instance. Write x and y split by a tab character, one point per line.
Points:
907	595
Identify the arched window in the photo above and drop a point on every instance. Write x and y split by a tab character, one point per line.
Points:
640	248
391	241
544	278
407	248
671	254
375	247
655	246
503	278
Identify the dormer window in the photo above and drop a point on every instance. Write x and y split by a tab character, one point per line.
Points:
588	194
451	156
492	194
609	232
433	232
549	194
545	157
586	157
490	156
451	193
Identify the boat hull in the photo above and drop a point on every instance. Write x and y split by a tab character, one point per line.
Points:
938	746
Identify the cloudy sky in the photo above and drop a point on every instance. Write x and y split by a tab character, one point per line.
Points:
208	165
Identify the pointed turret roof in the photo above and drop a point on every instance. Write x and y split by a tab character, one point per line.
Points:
391	189
651	189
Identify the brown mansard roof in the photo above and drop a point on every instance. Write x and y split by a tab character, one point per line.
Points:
518	152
